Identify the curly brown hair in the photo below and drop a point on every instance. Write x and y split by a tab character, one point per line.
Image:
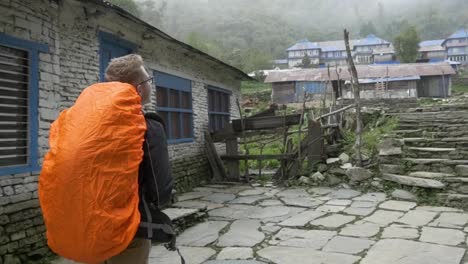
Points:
126	69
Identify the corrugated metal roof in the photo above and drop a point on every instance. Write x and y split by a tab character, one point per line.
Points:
304	44
434	42
461	33
337	45
370	40
431	48
364	72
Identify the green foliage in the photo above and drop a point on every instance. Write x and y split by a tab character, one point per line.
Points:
406	45
251	87
367	28
128	5
306	62
459	88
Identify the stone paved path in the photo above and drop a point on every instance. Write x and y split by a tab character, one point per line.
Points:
317	225
254	225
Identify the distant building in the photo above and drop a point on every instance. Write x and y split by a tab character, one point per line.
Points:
280	64
457	46
432	51
384	56
396	81
334	52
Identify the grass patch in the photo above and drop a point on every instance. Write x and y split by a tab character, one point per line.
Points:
252	87
459	88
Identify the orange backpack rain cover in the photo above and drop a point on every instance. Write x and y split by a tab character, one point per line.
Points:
88	187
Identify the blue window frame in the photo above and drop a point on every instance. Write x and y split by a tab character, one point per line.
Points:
110	47
218	108
174	104
19	93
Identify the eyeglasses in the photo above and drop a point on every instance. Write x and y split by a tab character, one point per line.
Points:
149	80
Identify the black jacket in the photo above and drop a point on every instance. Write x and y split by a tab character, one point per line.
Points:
155	178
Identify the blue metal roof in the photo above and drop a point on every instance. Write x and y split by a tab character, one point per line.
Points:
304	44
370	40
428	43
461	33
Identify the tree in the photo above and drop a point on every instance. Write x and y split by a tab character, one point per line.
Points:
306	62
406	45
367	29
128	5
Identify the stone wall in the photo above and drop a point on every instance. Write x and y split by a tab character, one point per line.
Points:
70	28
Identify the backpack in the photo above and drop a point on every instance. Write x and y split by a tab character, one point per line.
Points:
88	186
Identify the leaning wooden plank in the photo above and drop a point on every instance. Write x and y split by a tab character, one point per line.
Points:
266	122
216	163
335	112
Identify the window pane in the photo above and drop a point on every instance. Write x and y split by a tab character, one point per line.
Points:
226	103
186	102
174	99
212	123
210	100
161	97
187	122
175	125
220	102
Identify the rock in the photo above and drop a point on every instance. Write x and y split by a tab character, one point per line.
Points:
333	221
311	239
360	230
378	185
220	197
196	255
374	197
305	180
322	168
344	194
317	177
399	251
392	169
383	217
235	253
400	232
404	195
358	174
302	219
269	212
242	233
346	166
221	261
462	170
338	202
417	218
389	147
344	158
10	259
443	236
307	202
191	196
293	192
287	255
412	181
177	213
235	211
397	205
337	171
330	208
348	245
438	209
320	190
270	203
270	229
359	211
251	199
201	234
333	180
331	161
252	192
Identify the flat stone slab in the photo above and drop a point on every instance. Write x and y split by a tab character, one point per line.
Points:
344	194
360	230
293	192
220	197
364	204
430	175
269	212
451	220
293	211
287	255
371	197
202	205
252	192
445	236
177	213
359	211
398	251
311	239
302	219
333	221
235	211
348	245
192	196
338	202
438	209
397	205
270	229
251	199
235	253
270	203
194	255
242	233
307	202
201	234
404	195
413	181
383	217
331	208
417	218
233	262
320	190
400	232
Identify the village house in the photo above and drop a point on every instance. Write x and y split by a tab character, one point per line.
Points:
395	81
432	51
457	46
50	50
334	52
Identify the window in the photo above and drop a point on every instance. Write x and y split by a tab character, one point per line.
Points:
112	47
19	61
218	108
174	104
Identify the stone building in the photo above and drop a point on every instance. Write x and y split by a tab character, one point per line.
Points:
52	49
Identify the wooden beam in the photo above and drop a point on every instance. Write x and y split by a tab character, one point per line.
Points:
335	112
268	122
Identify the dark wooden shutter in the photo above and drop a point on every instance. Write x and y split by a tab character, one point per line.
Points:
14	80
